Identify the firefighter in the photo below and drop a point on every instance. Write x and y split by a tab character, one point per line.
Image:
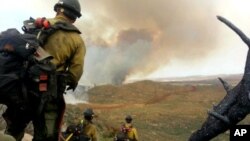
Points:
83	131
131	130
4	137
127	132
68	51
89	129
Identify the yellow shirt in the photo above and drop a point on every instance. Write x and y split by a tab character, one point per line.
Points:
68	50
4	137
89	130
132	133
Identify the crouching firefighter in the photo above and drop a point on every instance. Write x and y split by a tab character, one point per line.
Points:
43	96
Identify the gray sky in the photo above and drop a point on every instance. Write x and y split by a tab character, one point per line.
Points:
137	39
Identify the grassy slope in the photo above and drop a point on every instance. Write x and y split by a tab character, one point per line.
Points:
162	112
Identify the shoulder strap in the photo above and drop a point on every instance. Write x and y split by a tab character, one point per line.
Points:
82	126
45	33
66	27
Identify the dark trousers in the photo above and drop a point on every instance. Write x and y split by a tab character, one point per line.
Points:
46	124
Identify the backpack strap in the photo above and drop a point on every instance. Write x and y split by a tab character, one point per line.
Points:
66	27
81	126
43	32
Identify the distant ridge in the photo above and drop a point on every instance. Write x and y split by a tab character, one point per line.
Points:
234	78
201	77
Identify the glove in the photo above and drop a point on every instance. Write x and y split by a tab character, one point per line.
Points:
72	86
71	82
61	83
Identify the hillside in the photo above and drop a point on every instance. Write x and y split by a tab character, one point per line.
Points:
162	111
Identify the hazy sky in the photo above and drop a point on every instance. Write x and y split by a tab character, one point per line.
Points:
136	39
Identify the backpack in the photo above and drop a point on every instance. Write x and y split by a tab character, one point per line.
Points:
42	28
56	84
75	133
22	59
26	72
122	134
15	50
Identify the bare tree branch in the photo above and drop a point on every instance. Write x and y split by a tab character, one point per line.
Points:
234	107
235	29
226	86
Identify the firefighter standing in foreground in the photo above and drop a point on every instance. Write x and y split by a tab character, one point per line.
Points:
68	50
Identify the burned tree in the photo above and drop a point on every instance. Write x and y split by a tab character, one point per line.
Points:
234	107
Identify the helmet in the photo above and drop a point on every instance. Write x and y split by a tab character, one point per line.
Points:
88	112
128	118
71	8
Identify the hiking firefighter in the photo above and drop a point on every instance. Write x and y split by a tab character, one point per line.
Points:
87	125
64	43
84	131
127	132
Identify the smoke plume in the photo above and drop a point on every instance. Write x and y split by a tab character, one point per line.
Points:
138	37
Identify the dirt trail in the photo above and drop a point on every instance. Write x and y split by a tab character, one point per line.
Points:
112	106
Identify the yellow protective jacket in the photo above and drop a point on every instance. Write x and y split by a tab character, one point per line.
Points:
4	137
89	130
132	133
67	48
